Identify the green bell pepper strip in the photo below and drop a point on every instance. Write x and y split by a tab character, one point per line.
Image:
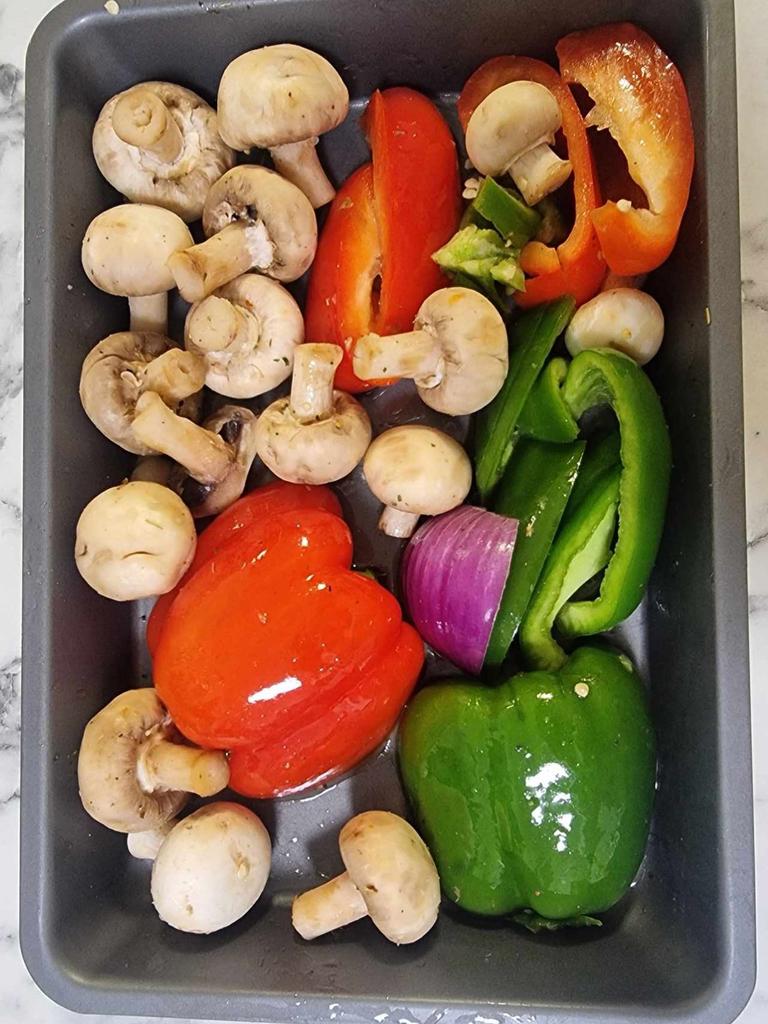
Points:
534	490
581	549
516	222
531	340
534	796
602	453
545	415
600	376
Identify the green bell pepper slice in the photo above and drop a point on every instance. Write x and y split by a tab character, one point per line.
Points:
532	338
534	796
516	222
535	490
545	415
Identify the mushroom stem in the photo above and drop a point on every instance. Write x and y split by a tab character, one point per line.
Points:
216	324
300	164
174	375
202	453
146	845
414	354
141	119
332	905
314	367
395	523
203	268
539	172
174	766
149	312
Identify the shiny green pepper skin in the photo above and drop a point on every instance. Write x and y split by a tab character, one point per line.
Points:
534	795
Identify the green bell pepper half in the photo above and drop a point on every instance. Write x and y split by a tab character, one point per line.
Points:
535	490
534	796
532	338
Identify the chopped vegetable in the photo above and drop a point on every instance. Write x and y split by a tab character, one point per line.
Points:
531	340
480	256
373	267
545	415
640	97
505	211
283	656
534	796
576	266
454	573
625	319
390	877
535	490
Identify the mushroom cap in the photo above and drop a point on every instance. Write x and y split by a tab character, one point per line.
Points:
625	319
252	194
134	540
313	453
182	186
279	94
473	339
392	868
266	359
106	765
236	426
111	383
509	122
418	469
125	249
211	869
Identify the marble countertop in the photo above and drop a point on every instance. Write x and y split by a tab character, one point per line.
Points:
20	1001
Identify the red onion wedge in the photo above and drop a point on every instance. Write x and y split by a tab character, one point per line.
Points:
454	572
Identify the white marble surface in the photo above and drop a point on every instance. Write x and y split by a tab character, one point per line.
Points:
20	1000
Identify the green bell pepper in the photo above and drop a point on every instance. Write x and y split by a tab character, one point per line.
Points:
532	338
505	210
534	490
545	415
534	796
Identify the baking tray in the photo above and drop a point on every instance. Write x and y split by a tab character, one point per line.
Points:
681	945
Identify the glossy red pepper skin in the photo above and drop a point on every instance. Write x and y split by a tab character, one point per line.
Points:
374	266
576	266
640	97
279	653
253	509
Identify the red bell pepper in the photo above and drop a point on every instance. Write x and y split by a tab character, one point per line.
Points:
640	97
276	651
373	267
576	266
254	509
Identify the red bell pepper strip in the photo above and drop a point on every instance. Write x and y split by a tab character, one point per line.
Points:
640	97
576	266
373	266
227	527
279	653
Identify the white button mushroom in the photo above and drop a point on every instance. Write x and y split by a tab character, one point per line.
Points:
415	470
134	540
253	220
511	132
625	319
125	251
236	426
126	365
390	877
456	353
318	435
247	332
146	845
211	869
281	98
133	775
159	143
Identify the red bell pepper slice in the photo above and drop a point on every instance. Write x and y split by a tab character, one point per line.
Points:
576	266
253	509
276	643
373	266
640	97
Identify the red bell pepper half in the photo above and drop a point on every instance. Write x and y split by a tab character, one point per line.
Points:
640	97
373	267
276	651
575	267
